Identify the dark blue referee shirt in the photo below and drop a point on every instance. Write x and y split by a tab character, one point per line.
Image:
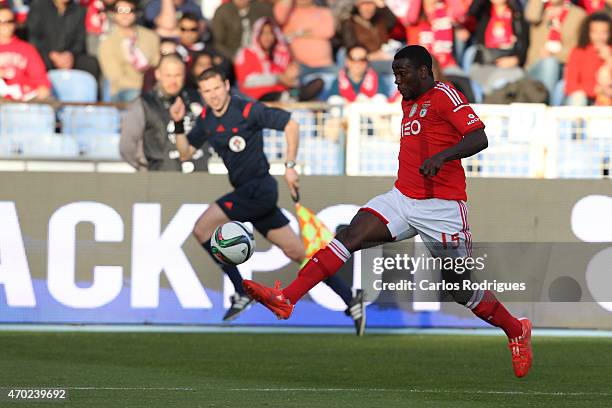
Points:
237	136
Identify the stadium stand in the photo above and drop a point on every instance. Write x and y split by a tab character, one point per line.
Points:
71	85
350	139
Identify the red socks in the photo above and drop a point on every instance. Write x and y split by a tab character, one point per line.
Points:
493	312
323	264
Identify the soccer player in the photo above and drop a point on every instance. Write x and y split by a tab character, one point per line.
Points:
438	129
233	126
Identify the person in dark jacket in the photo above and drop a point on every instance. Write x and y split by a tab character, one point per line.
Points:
502	38
370	25
148	139
57	29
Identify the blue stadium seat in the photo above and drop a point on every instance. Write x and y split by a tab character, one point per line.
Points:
106	90
48	146
90	126
18	118
71	85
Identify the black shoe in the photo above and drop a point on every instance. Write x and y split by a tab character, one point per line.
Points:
356	310
240	303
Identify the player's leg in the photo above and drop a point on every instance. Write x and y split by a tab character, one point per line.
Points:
202	231
379	221
443	226
288	242
292	246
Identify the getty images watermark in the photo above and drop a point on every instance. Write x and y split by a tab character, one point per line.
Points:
458	265
519	271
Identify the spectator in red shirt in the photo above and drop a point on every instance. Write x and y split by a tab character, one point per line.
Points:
98	23
432	25
589	67
22	71
265	70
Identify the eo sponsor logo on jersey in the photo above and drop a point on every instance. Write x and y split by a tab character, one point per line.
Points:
412	127
473	119
237	144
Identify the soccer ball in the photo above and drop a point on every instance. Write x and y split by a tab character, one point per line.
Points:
232	243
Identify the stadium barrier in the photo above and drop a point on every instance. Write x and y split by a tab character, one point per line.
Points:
117	248
361	139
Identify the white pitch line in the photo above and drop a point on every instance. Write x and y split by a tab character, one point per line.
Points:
425	391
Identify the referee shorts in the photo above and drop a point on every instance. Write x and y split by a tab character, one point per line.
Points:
255	202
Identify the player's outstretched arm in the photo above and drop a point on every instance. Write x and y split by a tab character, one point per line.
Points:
471	144
292	134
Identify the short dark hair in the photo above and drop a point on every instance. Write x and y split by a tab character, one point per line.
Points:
190	17
583	36
417	55
357	45
210	73
4	6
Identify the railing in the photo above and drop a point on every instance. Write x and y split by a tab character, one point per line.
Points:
525	140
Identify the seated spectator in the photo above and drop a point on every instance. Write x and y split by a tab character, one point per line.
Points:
502	37
309	29
57	29
22	72
554	27
233	23
147	130
191	37
370	24
357	80
431	25
203	60
127	53
98	23
162	15
587	73
265	71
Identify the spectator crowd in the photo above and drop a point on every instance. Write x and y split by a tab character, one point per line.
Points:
280	50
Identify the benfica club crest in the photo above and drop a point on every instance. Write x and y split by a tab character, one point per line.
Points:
423	111
413	109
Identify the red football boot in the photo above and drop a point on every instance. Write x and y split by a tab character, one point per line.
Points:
521	350
272	298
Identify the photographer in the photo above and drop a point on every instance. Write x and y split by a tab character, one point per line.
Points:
148	133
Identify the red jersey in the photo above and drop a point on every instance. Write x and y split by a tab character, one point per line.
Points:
433	122
22	70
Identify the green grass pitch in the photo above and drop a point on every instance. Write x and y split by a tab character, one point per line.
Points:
303	370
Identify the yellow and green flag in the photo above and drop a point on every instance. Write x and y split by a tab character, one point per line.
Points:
315	234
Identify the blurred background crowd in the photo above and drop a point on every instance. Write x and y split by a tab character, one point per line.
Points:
495	51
